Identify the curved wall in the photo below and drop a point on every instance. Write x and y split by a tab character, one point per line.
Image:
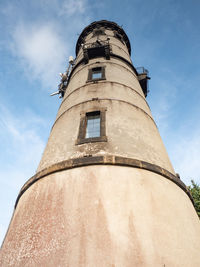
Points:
116	202
103	216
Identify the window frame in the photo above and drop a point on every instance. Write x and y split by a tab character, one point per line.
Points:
83	124
90	117
93	70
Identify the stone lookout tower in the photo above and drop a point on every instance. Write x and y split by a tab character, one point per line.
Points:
105	193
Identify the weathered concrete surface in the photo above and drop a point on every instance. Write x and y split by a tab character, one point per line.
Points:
98	215
130	128
130	132
103	216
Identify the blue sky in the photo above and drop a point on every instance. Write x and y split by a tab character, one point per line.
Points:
38	36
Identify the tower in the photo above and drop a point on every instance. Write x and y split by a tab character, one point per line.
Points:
105	192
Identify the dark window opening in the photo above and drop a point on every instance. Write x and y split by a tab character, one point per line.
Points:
96	49
92	127
96	74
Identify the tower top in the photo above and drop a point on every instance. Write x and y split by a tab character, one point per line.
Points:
106	24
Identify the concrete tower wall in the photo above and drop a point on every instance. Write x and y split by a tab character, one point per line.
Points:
111	201
117	46
120	93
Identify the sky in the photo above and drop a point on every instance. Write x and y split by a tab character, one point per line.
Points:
36	39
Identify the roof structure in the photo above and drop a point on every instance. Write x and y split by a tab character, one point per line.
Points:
106	24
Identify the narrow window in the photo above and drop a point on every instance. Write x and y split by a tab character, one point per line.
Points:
93	124
92	127
96	74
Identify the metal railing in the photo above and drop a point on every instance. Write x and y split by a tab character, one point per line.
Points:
96	44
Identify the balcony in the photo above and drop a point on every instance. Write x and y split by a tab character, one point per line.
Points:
96	49
143	79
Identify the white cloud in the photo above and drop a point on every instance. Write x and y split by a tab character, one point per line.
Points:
72	7
41	50
180	138
43	45
182	142
163	102
22	145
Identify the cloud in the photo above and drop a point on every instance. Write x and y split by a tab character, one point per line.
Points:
42	42
21	143
180	131
163	100
41	51
180	138
72	7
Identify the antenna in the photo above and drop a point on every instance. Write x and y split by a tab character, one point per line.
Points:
55	93
64	79
71	60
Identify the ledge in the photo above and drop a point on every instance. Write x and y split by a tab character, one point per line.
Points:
112	55
102	99
102	160
81	141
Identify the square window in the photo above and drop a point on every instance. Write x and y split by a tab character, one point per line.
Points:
96	74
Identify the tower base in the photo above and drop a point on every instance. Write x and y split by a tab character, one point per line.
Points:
103	215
